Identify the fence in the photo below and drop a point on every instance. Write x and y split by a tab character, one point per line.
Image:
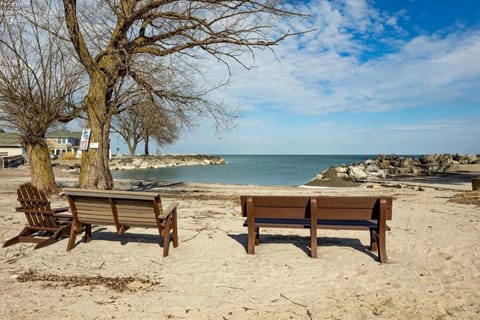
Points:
12	161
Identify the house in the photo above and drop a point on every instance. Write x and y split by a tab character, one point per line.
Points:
64	144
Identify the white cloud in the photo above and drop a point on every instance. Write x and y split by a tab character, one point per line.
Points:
329	70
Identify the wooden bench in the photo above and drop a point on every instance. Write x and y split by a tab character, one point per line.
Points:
122	209
313	212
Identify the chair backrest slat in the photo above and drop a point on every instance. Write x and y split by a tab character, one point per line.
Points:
36	207
31	198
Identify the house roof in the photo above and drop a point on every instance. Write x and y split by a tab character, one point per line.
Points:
9	139
64	134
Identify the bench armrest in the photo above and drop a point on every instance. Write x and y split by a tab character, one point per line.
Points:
169	207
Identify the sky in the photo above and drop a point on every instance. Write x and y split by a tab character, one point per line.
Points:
374	77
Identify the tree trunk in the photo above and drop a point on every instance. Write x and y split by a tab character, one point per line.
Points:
132	148
476	184
95	168
146	139
41	172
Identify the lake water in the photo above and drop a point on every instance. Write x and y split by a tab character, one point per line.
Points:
289	170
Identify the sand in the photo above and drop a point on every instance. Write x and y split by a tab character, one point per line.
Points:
433	270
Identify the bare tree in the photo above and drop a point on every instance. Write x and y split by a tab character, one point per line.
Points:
121	38
145	120
37	87
129	125
159	125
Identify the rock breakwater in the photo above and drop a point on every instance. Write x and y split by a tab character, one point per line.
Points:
152	162
393	166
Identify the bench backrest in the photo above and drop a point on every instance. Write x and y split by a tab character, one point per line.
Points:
281	207
119	208
328	207
352	207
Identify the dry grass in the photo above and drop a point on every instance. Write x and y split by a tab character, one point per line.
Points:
468	197
115	283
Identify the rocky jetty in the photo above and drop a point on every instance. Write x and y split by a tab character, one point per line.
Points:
393	166
152	162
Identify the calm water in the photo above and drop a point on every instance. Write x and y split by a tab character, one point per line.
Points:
288	170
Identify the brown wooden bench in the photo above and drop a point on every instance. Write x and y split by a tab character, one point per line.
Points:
122	209
324	212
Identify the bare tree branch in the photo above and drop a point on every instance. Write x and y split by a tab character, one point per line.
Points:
38	87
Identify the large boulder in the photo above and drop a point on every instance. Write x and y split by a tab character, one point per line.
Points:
404	162
466	158
357	173
331	173
436	159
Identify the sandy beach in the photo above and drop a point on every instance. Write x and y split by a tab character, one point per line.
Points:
433	270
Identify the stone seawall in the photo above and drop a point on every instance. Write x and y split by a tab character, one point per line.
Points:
152	162
392	166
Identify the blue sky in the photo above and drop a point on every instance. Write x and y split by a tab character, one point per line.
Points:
374	77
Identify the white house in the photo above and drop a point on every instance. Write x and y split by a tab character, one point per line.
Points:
64	144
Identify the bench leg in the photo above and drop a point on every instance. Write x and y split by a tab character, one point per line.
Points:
257	236
123	229
313	241
175	228
382	251
88	233
377	243
166	235
252	239
73	235
373	240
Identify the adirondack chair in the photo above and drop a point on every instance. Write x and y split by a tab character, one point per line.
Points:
44	224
